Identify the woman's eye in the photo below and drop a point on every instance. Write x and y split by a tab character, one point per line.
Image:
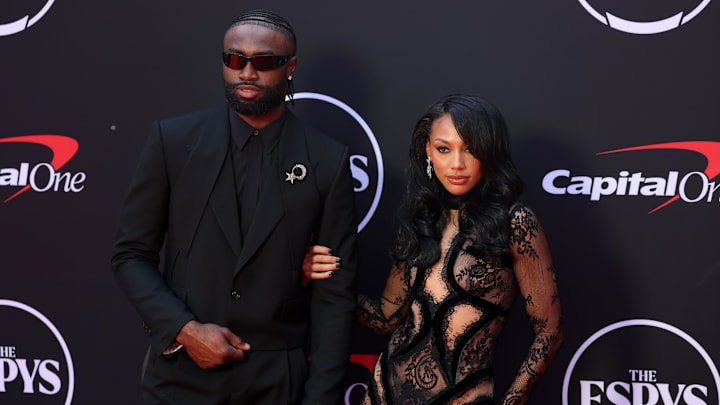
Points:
442	149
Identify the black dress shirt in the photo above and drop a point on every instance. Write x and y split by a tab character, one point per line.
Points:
252	155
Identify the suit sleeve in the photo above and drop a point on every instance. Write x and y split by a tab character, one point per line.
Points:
333	301
141	232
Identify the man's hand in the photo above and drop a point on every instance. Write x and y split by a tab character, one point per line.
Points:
211	345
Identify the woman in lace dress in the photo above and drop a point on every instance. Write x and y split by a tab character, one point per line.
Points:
465	249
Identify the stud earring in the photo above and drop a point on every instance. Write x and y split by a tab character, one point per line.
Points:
429	168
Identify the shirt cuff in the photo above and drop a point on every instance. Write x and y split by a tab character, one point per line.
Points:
172	349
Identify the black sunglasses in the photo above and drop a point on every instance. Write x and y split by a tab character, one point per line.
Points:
236	61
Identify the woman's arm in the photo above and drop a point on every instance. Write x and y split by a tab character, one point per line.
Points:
535	275
384	315
379	315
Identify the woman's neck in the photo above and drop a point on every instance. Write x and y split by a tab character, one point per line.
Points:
453	217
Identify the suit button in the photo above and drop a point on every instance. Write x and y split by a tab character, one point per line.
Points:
235	294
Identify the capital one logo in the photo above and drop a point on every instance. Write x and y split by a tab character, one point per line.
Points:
635	17
693	187
45	176
641	362
339	120
27	16
35	363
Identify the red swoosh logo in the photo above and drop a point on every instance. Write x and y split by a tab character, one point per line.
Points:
366	360
63	149
710	150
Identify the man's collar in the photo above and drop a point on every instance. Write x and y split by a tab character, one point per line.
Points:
241	131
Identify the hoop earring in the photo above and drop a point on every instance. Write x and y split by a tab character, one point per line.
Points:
429	168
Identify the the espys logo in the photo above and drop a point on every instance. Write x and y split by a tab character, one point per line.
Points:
35	363
26	17
41	177
641	362
692	187
366	161
640	19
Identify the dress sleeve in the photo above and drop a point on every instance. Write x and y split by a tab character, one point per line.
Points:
385	314
536	278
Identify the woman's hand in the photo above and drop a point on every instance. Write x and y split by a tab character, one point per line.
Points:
319	264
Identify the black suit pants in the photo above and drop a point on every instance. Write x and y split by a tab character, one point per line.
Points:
264	378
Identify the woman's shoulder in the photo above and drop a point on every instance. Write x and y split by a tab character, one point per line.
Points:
520	214
518	207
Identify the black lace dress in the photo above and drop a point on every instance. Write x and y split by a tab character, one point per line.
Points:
445	321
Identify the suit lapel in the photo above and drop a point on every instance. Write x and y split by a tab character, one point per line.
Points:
224	204
207	175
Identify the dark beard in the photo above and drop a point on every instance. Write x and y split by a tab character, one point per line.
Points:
273	97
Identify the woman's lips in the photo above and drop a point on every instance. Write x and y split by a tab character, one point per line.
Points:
457	180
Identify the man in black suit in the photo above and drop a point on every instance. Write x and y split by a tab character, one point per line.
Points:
234	196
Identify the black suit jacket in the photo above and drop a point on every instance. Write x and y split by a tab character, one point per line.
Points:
182	199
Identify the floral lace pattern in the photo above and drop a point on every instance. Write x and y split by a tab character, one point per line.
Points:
445	321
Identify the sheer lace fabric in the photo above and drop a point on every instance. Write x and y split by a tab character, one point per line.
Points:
445	321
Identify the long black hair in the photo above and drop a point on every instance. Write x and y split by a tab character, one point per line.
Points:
483	212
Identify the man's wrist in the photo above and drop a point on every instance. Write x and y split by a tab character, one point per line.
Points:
186	330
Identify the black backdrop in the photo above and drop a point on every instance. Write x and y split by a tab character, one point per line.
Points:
638	288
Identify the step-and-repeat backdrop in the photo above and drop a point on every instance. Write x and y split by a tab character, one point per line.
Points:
613	111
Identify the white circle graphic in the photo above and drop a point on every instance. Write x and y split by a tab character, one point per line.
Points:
58	336
371	138
24	22
644	27
638	322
